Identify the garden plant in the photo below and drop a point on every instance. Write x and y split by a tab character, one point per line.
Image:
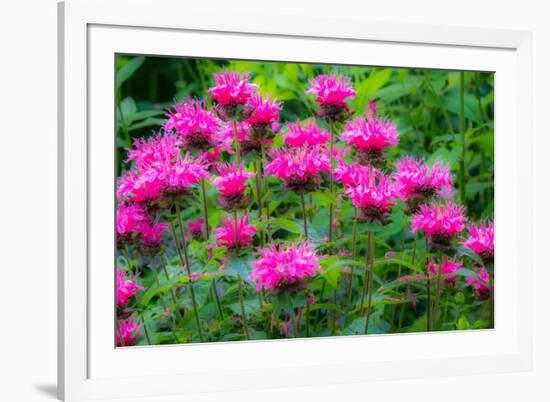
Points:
265	200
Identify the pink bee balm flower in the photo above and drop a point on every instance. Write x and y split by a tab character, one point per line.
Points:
351	175
125	289
129	330
449	266
129	219
247	141
370	138
154	149
231	237
439	222
481	285
196	227
151	236
307	134
231	184
231	88
482	241
262	114
374	195
196	125
331	90
284	267
299	167
419	183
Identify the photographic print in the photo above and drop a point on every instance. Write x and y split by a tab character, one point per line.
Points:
260	200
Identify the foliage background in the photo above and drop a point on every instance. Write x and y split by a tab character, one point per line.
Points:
426	107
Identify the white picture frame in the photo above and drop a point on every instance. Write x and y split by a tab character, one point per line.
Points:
91	32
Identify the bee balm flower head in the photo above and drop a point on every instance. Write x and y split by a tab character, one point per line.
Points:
374	194
125	289
231	92
196	125
449	266
370	138
285	267
419	183
441	223
482	241
299	167
305	134
235	237
129	331
129	220
196	228
151	237
263	116
231	184
331	93
481	284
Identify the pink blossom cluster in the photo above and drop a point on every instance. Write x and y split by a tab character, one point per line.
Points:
482	240
372	135
130	218
298	165
235	237
231	88
263	112
351	175
125	288
438	220
449	266
284	264
415	177
231	181
374	193
129	330
306	134
481	284
195	227
194	123
331	90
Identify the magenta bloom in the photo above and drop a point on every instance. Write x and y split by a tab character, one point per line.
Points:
299	167
226	237
262	114
375	194
196	227
151	236
196	125
370	138
305	134
154	149
351	175
482	241
419	183
331	90
440	223
129	330
449	266
284	267
231	88
125	289
129	220
481	285
231	180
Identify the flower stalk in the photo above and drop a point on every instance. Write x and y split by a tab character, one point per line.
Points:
370	262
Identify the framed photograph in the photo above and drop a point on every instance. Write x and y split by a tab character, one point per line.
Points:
249	202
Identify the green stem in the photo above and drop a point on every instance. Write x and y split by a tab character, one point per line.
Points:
243	312
462	173
174	299
237	145
321	294
370	260
354	255
146	330
127	256
185	262
331	183
491	301
437	292
334	313
446	308
217	298
307	316
429	292
259	198
304	215
236	223
205	210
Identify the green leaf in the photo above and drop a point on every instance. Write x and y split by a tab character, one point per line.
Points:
152	121
237	267
128	107
396	91
281	223
124	73
162	289
463	323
